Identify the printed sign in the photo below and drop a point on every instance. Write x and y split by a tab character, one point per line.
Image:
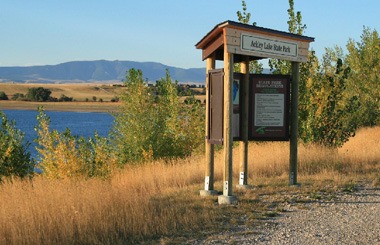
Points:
268	46
269	107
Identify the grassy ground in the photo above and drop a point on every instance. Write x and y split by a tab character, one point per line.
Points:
159	202
83	95
60	106
79	92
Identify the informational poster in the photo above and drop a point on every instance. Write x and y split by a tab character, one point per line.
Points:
269	107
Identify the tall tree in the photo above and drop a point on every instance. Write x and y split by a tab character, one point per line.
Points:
295	26
155	124
245	17
330	107
364	60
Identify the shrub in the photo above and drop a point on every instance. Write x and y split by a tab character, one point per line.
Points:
38	94
63	155
115	99
155	126
65	98
3	96
18	96
15	161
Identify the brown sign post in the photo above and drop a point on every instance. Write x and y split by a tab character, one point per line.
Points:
234	42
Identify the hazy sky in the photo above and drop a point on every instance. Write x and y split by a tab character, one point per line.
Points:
48	32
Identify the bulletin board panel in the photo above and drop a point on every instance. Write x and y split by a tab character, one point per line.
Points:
269	106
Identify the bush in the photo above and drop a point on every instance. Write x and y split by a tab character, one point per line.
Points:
115	99
65	98
155	126
38	94
15	161
63	155
3	96
19	96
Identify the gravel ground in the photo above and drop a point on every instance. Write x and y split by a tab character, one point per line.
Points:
350	218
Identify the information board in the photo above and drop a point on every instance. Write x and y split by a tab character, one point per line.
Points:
269	107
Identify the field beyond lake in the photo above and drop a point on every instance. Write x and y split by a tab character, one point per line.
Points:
61	106
87	97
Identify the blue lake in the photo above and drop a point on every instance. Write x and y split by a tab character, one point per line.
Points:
80	123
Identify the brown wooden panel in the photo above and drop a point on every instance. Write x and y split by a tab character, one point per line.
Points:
217	43
216	106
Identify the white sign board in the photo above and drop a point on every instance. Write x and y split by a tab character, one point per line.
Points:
269	110
268	46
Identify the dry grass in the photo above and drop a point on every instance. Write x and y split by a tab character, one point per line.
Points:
61	106
161	201
79	91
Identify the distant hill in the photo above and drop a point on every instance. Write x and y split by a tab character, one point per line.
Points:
100	70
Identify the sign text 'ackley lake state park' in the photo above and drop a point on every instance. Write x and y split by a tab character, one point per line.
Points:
269	46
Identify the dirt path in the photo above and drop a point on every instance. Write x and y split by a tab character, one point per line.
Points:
350	218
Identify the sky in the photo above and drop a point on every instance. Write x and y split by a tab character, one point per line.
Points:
49	32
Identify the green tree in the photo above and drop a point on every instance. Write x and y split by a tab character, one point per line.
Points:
295	26
152	126
18	96
38	94
15	161
244	17
3	95
64	98
325	110
364	60
332	107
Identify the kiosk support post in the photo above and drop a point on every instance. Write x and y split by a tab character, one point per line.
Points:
227	197
209	148
243	176
294	124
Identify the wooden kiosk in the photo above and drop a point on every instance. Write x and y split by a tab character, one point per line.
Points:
234	42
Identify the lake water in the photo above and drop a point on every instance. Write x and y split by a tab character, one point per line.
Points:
80	123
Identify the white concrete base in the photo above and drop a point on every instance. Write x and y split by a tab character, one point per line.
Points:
227	199
208	192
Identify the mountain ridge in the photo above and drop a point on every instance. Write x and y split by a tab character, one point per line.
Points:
98	70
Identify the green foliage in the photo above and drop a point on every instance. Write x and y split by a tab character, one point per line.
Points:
15	161
364	61
65	98
3	96
62	155
295	20
18	96
332	108
38	94
295	26
244	17
153	126
326	110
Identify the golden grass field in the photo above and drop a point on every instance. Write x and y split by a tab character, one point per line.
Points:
80	92
159	202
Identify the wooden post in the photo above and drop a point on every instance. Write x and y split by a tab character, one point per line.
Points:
243	147
227	197
209	148
294	124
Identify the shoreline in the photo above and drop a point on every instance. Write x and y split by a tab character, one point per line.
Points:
107	107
